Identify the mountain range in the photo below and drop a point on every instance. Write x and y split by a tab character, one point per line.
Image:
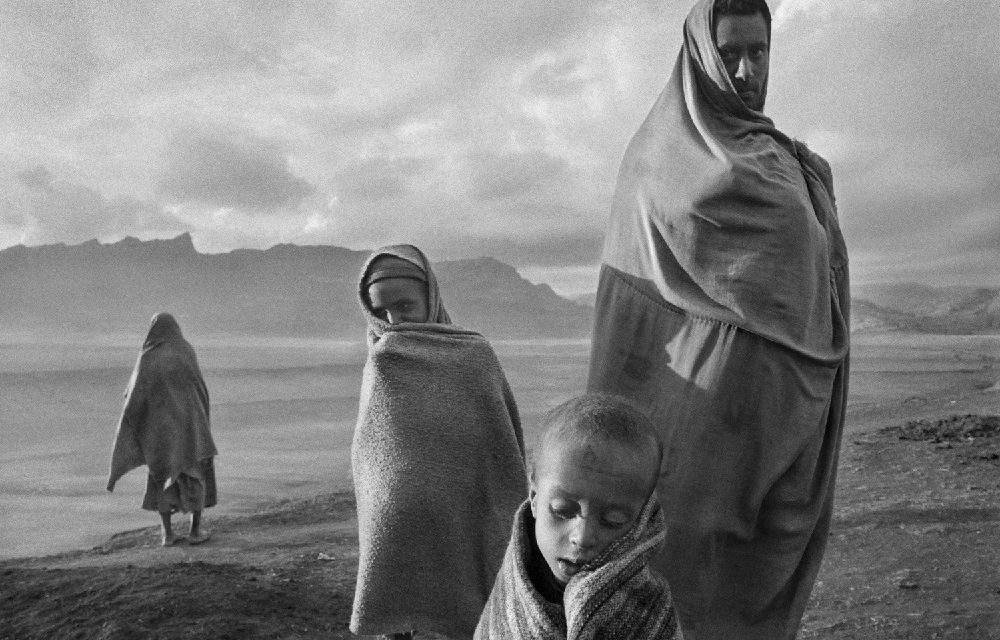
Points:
287	290
914	308
291	290
925	309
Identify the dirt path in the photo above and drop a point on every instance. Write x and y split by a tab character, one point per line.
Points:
287	572
914	553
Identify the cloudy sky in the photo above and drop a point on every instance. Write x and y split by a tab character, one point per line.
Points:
473	127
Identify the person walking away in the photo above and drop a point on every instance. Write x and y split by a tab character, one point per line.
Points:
165	426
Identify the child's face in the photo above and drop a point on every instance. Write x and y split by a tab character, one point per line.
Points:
398	300
583	497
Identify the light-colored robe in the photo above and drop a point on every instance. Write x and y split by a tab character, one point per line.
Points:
723	311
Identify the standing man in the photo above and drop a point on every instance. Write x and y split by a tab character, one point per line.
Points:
723	310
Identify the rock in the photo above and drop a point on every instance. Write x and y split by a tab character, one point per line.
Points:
907	579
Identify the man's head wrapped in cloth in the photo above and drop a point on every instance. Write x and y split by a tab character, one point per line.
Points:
399	286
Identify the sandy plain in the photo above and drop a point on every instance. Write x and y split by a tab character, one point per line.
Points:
913	551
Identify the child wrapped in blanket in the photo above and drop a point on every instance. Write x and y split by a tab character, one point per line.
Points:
437	458
576	566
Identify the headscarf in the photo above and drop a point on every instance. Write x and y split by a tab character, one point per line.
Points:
163	328
726	216
386	267
414	256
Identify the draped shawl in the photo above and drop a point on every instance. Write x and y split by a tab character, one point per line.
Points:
438	465
436	313
165	421
726	216
615	596
722	309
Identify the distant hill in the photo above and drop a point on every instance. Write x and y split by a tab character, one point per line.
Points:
291	290
287	290
913	307
586	299
926	309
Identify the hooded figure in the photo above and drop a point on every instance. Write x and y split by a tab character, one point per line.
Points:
165	426
722	309
437	458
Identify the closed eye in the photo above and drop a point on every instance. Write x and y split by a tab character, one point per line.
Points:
616	519
563	511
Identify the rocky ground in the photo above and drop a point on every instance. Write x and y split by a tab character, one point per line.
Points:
914	551
915	545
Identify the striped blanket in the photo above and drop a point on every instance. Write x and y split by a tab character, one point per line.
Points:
616	597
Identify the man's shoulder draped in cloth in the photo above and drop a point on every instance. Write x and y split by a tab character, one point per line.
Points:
438	464
165	421
618	597
724	215
723	310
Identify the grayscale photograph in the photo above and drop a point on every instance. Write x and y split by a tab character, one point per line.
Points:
522	319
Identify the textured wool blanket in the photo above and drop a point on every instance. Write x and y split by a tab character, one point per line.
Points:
165	422
722	309
616	597
438	472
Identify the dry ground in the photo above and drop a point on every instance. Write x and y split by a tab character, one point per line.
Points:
913	554
914	550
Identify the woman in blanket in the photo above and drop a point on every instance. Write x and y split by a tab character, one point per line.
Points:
437	458
165	425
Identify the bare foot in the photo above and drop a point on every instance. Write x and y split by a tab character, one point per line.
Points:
199	537
171	540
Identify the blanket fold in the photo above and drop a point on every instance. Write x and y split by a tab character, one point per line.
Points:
165	421
438	464
617	596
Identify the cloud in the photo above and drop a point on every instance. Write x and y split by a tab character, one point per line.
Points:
228	171
558	78
49	56
38	178
379	178
470	127
908	127
39	208
792	14
498	176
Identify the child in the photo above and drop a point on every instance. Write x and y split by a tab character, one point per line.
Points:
576	566
437	458
165	425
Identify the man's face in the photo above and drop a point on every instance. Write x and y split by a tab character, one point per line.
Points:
743	46
398	300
